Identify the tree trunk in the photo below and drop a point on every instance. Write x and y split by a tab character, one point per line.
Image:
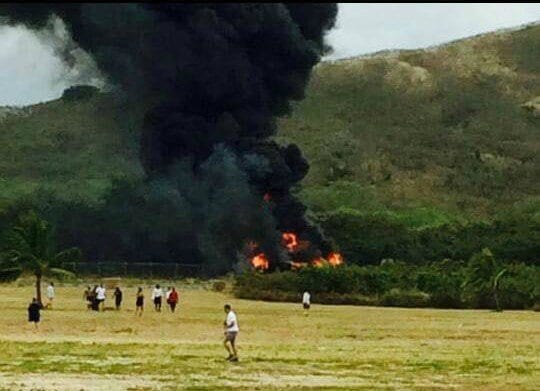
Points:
38	289
496	298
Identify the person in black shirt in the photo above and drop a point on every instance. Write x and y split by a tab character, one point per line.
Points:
117	297
33	312
140	302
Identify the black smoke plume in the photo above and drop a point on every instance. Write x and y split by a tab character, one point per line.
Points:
213	77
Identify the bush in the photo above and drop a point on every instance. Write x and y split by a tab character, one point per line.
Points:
445	284
519	288
409	298
219	286
81	92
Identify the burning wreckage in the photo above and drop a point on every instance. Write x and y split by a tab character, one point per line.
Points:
216	76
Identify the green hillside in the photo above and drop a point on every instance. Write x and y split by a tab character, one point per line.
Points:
438	129
400	143
73	148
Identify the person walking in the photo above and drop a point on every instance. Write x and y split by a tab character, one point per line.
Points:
172	300
50	295
306	301
93	296
87	296
139	303
157	294
231	331
100	297
33	312
118	297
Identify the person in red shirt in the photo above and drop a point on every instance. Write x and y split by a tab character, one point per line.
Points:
172	300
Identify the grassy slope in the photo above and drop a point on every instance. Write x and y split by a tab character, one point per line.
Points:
440	130
427	136
334	348
74	148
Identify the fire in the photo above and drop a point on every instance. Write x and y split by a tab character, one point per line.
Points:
335	259
318	262
260	262
297	265
290	240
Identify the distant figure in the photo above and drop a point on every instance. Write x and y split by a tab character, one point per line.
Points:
139	304
95	302
157	293
306	301
117	298
88	297
172	299
33	312
50	295
100	297
167	294
231	331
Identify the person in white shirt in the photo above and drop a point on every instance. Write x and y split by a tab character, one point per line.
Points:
231	331
100	297
50	294
157	293
306	301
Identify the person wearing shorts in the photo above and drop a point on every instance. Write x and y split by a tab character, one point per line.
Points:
139	304
306	301
50	295
100	297
172	299
33	312
118	298
231	332
157	294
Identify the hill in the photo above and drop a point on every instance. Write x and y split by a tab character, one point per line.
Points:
400	140
452	128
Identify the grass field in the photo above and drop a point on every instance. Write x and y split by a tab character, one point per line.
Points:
333	348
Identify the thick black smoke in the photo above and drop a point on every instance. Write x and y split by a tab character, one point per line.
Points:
214	77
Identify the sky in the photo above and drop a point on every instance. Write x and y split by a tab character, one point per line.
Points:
31	71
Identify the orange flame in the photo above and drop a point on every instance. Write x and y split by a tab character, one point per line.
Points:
290	241
335	259
260	262
318	262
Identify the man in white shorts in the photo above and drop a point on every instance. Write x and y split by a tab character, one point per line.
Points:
231	331
306	301
50	295
100	297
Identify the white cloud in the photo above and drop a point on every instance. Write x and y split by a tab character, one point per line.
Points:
31	68
366	28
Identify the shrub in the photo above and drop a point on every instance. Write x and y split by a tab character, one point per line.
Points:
80	92
519	288
443	282
405	298
219	286
478	286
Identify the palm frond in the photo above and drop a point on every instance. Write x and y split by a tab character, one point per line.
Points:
67	256
59	273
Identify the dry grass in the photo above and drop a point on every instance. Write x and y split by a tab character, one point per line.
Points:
334	348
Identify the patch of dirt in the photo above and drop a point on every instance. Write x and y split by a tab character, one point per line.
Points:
81	382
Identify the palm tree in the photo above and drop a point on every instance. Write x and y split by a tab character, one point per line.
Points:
481	285
31	248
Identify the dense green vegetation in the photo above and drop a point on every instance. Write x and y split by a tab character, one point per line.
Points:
482	282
